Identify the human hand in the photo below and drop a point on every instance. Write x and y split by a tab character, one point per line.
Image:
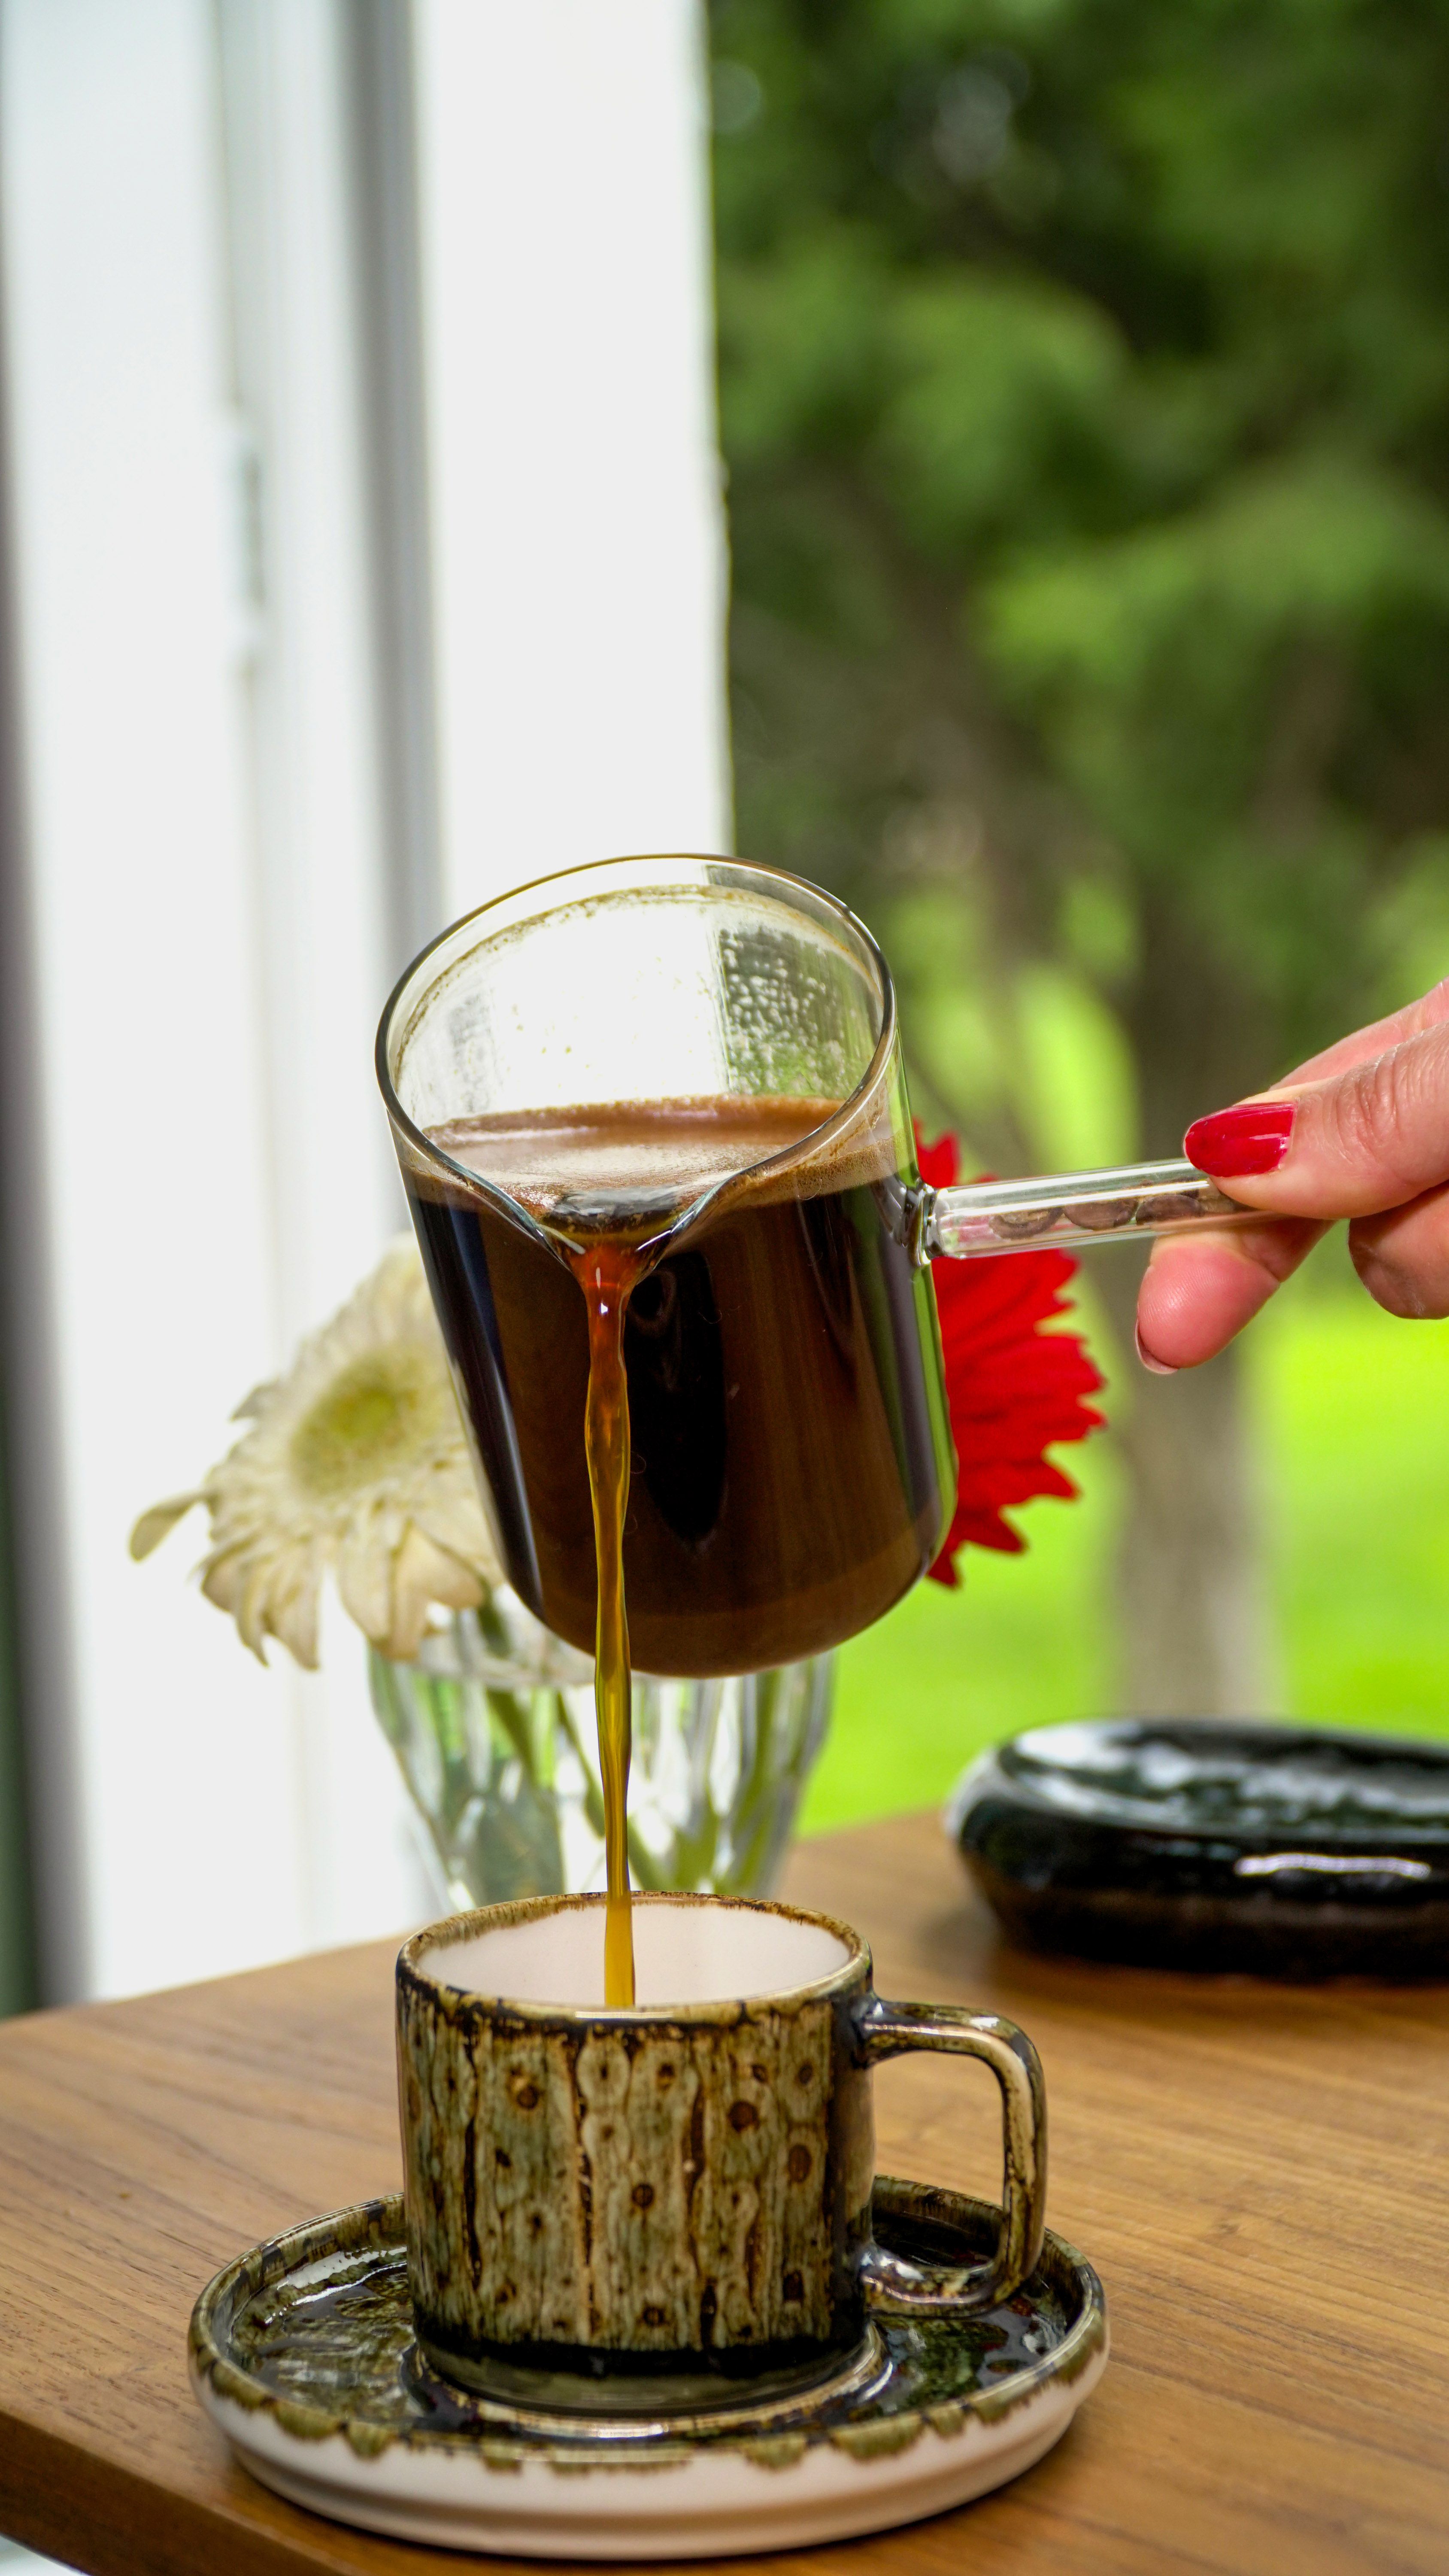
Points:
1361	1131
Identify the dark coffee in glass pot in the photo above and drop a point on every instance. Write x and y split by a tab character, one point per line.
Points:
790	1473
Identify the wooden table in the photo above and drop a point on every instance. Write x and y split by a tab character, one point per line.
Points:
1261	2175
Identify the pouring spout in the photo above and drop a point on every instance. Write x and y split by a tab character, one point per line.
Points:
1070	1209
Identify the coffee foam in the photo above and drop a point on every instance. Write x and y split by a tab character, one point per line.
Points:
625	1154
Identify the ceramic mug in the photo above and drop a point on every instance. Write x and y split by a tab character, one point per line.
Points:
683	2185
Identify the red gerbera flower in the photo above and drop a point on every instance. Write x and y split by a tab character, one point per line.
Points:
1013	1390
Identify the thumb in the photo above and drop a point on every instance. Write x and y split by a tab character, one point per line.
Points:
1371	1137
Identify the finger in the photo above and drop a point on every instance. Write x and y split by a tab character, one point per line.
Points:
1370	1138
1364	1044
1403	1257
1195	1295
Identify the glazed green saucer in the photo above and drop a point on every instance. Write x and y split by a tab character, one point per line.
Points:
304	2355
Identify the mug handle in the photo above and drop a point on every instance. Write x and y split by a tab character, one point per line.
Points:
893	2284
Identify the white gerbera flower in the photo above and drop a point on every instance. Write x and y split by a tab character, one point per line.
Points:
356	1460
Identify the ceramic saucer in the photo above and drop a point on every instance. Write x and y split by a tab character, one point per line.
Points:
303	2353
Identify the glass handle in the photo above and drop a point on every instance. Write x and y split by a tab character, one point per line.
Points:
1070	1209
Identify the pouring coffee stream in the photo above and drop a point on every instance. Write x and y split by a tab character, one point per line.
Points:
606	1277
691	1224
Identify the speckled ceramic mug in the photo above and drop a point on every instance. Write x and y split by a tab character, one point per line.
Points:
685	2185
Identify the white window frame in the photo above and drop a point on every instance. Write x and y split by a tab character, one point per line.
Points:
321	632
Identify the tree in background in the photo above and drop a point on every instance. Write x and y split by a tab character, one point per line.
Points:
1085	398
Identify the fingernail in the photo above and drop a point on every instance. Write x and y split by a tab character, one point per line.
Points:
1159	1368
1235	1143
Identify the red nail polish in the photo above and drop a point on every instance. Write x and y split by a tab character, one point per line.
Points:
1235	1143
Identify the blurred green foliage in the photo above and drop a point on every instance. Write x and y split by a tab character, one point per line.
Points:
1085	387
1358	1538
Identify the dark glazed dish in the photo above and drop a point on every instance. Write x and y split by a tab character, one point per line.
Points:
1282	1851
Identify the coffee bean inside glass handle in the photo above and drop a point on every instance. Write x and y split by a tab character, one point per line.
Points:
1075	1208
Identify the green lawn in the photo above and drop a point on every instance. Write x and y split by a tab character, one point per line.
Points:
1354	1416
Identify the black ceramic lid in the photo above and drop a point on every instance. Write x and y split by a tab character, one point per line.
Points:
1202	1843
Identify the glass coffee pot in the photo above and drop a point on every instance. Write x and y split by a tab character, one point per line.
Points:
692	1067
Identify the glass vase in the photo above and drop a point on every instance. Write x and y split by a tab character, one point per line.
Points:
492	1724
